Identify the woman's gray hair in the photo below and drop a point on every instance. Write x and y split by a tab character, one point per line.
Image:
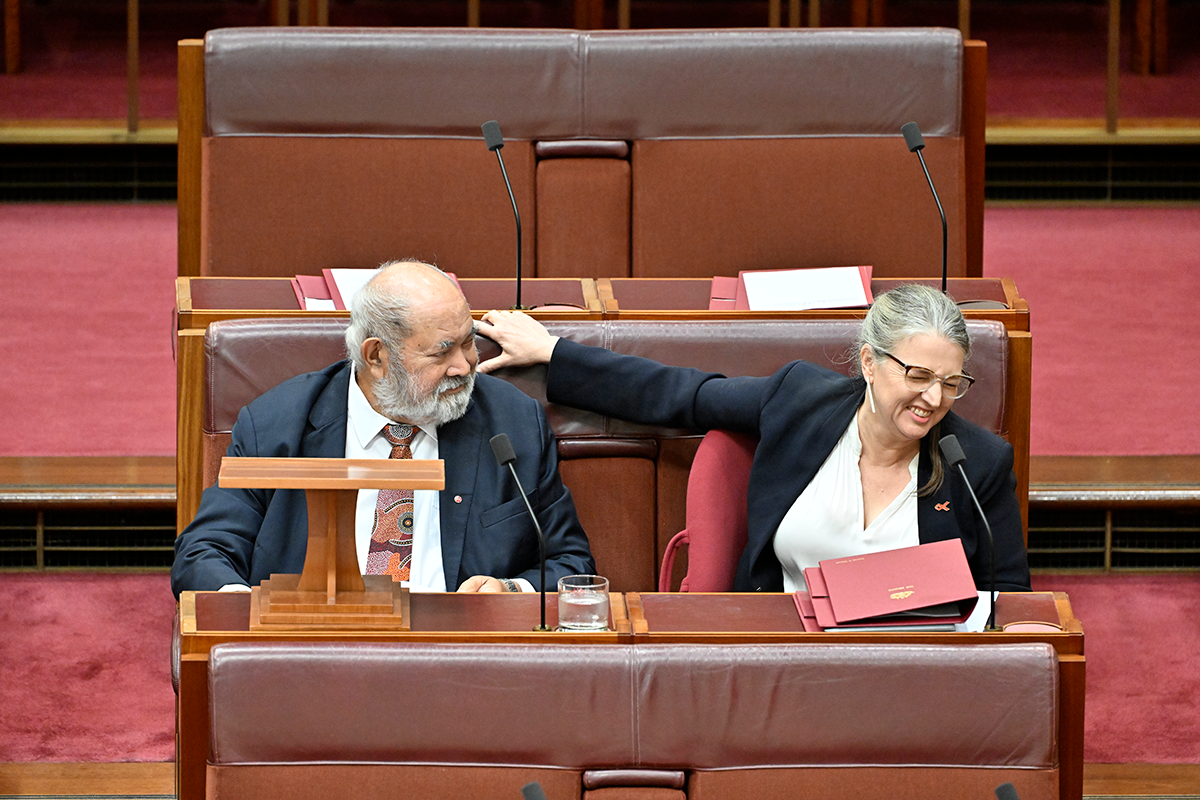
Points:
376	313
906	311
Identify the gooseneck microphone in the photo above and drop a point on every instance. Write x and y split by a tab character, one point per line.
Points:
503	450
533	791
495	142
953	452
1006	791
916	143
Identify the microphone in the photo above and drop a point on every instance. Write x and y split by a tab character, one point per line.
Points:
1005	791
533	791
916	143
503	450
495	142
953	453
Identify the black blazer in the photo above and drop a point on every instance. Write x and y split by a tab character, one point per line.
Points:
244	535
799	414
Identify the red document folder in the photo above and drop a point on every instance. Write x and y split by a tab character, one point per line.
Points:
310	286
927	584
723	295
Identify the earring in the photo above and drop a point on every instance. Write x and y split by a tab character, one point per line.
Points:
871	397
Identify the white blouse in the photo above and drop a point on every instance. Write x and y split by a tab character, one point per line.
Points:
826	521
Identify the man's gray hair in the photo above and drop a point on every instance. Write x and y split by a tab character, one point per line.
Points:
375	313
909	310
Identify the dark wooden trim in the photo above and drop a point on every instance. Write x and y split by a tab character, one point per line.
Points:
974	130
191	125
1115	480
142	481
142	779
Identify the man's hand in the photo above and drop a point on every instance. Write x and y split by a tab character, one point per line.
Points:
522	338
483	583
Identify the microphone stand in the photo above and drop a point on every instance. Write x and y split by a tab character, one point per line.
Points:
503	450
954	454
916	143
495	142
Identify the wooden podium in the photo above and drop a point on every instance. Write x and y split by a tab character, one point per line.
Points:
332	593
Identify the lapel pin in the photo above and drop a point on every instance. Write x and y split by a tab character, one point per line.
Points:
943	506
458	498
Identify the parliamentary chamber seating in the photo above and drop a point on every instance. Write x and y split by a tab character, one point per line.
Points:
629	481
646	154
632	722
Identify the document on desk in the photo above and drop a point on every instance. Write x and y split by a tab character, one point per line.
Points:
343	283
930	584
804	289
312	292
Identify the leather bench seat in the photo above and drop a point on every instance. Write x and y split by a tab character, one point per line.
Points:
301	720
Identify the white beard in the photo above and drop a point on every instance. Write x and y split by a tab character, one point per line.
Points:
400	400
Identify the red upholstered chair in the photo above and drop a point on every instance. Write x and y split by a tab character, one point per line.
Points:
716	514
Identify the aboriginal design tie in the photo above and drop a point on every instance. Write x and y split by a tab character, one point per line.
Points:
392	533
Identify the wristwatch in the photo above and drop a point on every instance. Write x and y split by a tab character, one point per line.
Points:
510	585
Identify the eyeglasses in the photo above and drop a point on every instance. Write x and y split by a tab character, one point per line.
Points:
920	379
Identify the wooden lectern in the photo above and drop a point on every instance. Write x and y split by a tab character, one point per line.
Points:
331	593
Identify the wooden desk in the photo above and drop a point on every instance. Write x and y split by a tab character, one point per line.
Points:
766	618
210	618
687	298
202	301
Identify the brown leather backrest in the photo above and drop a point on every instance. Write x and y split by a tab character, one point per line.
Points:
247	357
720	707
772	148
682	706
262	709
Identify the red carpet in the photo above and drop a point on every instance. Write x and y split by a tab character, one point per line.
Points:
85	675
1143	687
85	332
86	329
1112	295
85	668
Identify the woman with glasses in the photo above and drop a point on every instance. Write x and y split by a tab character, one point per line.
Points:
844	465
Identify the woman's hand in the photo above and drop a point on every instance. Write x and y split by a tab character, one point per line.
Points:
522	338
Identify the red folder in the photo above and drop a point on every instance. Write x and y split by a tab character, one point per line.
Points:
926	584
306	286
723	294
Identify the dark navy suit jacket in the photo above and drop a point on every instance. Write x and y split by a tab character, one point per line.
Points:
245	535
799	414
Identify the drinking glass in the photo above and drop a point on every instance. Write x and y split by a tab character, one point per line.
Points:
583	603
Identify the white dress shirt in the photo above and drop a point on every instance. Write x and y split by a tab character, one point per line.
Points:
826	521
365	439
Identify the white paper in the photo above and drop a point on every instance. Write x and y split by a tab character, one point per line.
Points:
802	289
349	281
319	304
979	616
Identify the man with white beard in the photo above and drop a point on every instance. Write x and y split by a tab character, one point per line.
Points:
408	390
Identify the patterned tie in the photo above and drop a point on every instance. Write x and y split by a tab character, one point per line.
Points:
392	535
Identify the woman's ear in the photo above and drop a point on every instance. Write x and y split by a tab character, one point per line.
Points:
866	363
